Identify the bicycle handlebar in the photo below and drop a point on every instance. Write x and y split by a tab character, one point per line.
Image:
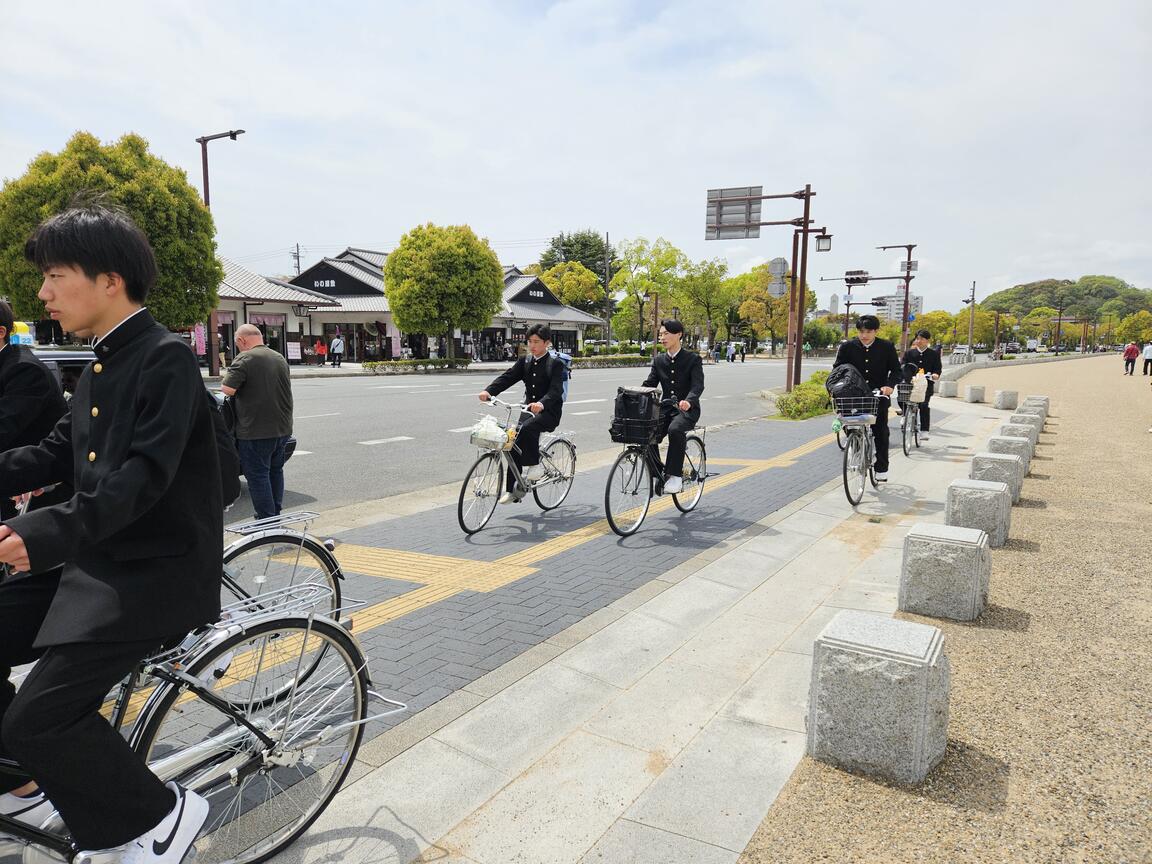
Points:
500	403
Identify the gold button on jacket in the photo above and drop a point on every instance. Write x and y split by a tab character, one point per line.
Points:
92	456
97	368
95	411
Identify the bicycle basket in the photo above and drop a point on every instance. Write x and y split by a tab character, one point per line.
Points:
490	435
636	416
628	431
847	406
913	392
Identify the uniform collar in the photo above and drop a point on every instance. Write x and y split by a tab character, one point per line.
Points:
123	333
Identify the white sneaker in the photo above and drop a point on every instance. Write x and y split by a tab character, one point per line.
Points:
512	496
673	485
881	476
923	436
168	842
31	810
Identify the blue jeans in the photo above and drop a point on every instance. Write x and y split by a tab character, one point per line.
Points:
262	460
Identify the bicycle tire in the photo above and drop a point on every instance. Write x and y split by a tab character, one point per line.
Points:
840	442
478	503
272	560
907	431
631	477
552	495
853	473
231	768
697	464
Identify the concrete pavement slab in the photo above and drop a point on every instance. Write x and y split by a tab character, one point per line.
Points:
629	842
777	695
734	643
693	603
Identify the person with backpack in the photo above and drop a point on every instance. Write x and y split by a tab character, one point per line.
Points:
926	360
680	376
876	360
544	386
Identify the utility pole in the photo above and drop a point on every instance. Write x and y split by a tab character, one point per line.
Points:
607	297
972	323
909	265
296	256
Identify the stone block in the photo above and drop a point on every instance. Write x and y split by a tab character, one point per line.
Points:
980	504
947	389
878	701
974	393
1005	400
1038	400
999	468
1033	420
1022	430
1015	445
945	572
1035	410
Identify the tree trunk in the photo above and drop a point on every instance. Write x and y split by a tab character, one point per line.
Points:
450	350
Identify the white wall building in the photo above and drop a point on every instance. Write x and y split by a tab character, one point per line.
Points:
895	307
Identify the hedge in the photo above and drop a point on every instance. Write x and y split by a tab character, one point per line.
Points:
808	399
408	367
609	361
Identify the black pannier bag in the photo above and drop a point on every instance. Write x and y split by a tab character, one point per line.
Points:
636	419
846	381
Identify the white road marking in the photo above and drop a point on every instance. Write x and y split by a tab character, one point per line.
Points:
582	413
461	429
385	440
314	416
583	401
301	452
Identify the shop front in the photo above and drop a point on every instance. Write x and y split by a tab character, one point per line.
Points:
273	327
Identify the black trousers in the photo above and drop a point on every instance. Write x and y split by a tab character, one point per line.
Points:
1147	365
925	411
53	728
880	433
676	426
337	357
1130	366
527	449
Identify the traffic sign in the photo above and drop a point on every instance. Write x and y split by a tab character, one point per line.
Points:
778	266
911	318
909	265
737	219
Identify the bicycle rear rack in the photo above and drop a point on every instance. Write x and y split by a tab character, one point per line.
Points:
255	526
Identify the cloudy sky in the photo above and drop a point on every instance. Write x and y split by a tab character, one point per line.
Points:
1009	139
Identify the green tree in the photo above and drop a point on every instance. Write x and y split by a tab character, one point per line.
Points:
576	286
586	246
1037	322
645	269
938	322
767	314
156	195
1137	327
438	279
704	296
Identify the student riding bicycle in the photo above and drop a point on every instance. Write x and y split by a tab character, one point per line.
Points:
876	360
543	377
926	359
680	375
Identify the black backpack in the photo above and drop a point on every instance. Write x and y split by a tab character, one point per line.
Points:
846	381
636	418
225	447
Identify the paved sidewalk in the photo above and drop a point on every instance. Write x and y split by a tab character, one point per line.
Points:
660	728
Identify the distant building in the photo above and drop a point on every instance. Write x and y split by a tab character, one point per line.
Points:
895	306
834	305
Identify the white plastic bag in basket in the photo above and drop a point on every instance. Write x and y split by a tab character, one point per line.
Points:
489	429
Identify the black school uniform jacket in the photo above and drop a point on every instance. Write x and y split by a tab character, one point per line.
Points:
543	382
140	539
679	379
926	361
877	362
30	404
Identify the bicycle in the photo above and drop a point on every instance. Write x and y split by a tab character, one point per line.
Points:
261	713
637	472
855	415
484	482
271	555
910	419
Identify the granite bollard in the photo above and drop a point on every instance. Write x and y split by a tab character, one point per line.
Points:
1038	400
1033	420
1022	430
1035	410
947	389
878	700
974	393
945	572
1017	446
999	468
1005	400
980	504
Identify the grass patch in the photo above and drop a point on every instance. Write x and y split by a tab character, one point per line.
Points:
808	399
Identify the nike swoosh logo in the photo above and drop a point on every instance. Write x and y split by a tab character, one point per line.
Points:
159	848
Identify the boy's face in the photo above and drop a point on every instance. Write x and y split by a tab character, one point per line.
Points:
867	336
77	302
670	341
537	346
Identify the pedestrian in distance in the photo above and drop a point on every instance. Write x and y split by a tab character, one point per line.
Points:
743	351
336	349
321	351
260	383
877	361
927	361
680	376
139	542
543	378
731	352
1148	357
1131	352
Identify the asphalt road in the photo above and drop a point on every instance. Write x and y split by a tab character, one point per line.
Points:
365	438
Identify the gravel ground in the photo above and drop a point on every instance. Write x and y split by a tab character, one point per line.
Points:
1050	735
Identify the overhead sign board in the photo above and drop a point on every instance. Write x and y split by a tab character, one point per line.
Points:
733	213
909	265
778	266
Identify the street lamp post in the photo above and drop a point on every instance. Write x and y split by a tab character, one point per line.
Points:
971	302
909	266
213	323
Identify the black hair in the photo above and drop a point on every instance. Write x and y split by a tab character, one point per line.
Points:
541	330
671	325
924	334
7	321
98	238
867	322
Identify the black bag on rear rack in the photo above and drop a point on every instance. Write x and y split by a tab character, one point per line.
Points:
636	419
846	381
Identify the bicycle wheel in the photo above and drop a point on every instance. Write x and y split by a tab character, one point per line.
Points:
628	493
267	562
480	492
262	796
908	430
916	425
695	473
854	467
559	462
840	439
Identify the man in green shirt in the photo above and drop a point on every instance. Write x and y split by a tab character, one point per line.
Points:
261	385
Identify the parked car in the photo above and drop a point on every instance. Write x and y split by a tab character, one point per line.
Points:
1012	348
66	364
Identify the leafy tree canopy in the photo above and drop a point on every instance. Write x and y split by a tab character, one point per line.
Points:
704	297
1136	327
157	196
575	285
645	269
1089	296
439	279
586	246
